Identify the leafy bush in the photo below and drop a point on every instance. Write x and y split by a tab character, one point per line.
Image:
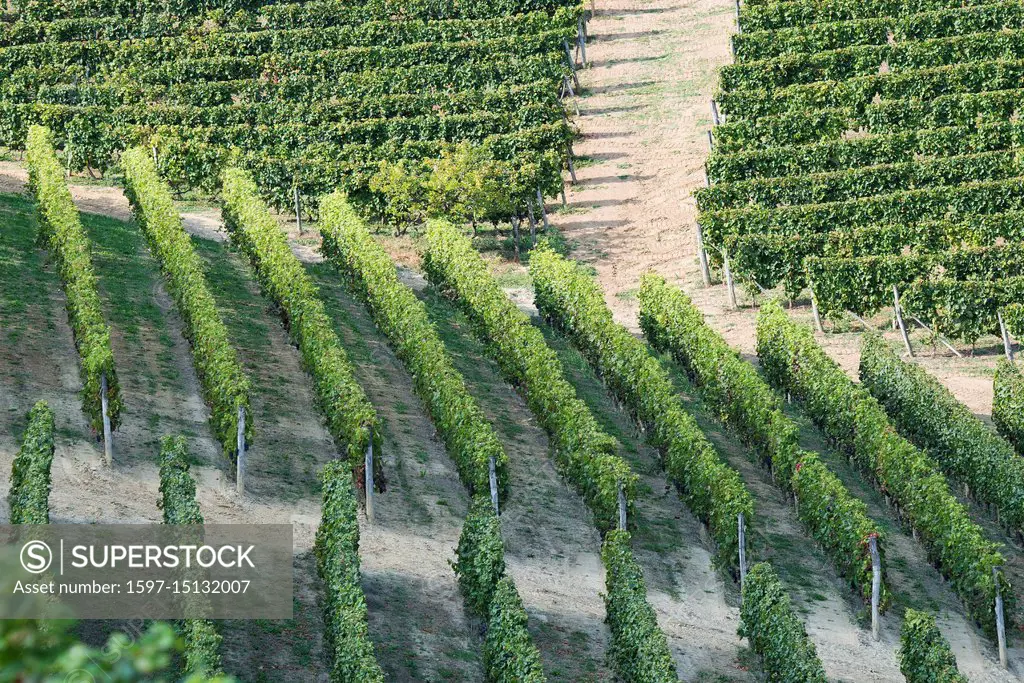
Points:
178	501
924	653
1008	403
29	496
716	494
925	412
857	423
37	650
351	418
639	647
225	386
775	633
336	548
747	405
61	229
584	452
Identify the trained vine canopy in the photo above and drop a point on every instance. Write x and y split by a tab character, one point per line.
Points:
890	123
166	79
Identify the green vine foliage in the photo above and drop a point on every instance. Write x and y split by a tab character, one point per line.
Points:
584	452
49	650
468	436
177	487
61	230
29	495
775	633
924	411
346	632
924	653
179	505
351	418
260	11
1008	403
792	361
225	386
639	648
1013	316
962	309
746	404
716	494
509	654
480	556
104	84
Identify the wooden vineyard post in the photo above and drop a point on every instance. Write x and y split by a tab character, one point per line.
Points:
369	481
581	39
515	235
899	320
572	166
153	147
543	210
567	85
622	508
1007	344
714	113
817	316
729	284
742	533
493	476
533	223
565	202
572	63
876	584
298	209
711	142
1000	622
240	461
69	156
705	270
108	445
739	29
942	339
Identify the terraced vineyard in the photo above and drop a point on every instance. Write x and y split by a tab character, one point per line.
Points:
872	145
312	95
311	304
